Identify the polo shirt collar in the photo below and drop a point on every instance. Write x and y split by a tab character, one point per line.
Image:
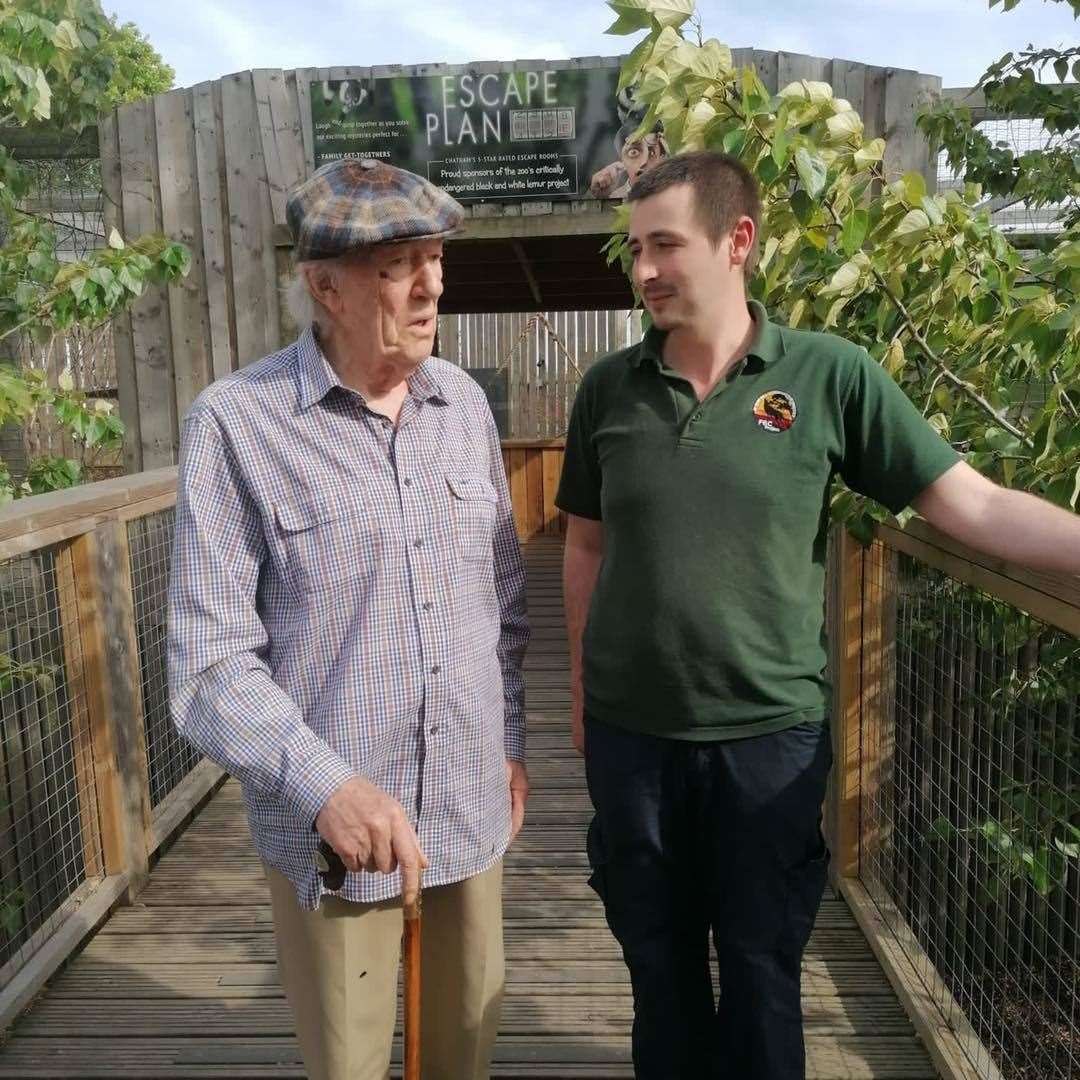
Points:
767	346
315	377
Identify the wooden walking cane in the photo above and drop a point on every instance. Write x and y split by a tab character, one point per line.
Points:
410	962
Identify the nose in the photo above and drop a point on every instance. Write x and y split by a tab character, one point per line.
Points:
429	282
643	270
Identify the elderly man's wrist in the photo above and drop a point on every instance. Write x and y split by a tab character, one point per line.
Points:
319	785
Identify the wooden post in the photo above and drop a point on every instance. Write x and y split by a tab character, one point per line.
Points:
114	699
878	696
82	745
847	706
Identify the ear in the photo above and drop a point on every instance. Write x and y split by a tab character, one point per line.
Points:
322	283
741	241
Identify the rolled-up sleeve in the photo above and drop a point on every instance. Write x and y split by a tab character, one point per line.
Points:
510	591
223	697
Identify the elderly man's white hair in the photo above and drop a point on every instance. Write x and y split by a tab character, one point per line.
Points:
301	305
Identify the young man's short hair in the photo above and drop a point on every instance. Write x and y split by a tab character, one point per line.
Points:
724	191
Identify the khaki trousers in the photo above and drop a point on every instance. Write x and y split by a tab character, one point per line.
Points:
339	969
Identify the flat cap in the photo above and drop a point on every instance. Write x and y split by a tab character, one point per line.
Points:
352	203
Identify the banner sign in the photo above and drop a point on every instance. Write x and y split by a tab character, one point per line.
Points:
552	133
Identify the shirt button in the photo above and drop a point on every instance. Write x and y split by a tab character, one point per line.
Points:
695	418
434	729
436	669
408	482
418	542
427	605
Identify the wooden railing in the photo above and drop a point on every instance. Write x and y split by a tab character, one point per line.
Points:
94	778
956	796
532	469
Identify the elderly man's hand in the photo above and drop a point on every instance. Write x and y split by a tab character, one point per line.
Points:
517	777
370	831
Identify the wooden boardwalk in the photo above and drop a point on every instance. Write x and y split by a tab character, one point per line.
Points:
183	984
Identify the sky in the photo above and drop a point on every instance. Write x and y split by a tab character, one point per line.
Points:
205	39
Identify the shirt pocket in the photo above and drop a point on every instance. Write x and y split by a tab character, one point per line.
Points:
324	544
472	504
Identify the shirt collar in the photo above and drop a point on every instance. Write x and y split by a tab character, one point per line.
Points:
767	346
315	377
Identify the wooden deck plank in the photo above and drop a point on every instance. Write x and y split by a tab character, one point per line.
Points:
183	984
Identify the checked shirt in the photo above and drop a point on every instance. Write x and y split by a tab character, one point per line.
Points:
348	598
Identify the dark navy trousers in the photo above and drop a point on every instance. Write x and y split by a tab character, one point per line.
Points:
721	839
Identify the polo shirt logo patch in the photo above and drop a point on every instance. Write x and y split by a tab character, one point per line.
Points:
775	411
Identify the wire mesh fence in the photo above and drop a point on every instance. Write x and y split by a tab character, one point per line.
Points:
1021	137
66	193
170	757
50	846
970	825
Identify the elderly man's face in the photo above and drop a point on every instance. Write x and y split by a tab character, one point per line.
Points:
389	300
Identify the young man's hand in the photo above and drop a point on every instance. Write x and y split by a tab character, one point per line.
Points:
517	777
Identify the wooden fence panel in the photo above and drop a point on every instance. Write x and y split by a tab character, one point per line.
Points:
123	343
214	219
151	331
255	289
189	314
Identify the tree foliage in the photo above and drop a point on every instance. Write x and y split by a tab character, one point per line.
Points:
139	69
61	62
985	340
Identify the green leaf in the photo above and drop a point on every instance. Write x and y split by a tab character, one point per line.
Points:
982	311
734	141
66	36
43	104
914	186
671	13
632	65
812	171
853	233
942	829
912	228
781	148
870	154
933	211
632	16
802	206
846	277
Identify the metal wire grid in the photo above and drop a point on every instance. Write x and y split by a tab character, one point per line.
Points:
170	757
971	806
50	840
67	193
1021	136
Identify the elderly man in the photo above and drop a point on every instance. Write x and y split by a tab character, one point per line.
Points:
347	624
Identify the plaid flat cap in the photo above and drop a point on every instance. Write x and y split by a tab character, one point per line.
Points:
352	203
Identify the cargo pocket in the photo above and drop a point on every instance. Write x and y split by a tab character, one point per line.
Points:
806	886
597	855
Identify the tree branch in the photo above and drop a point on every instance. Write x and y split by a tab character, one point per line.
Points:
961	384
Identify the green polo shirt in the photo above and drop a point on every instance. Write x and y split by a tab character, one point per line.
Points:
707	621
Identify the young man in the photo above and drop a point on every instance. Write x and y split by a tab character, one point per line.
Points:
697	475
347	626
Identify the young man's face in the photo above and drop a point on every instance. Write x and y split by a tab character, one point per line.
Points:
684	279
